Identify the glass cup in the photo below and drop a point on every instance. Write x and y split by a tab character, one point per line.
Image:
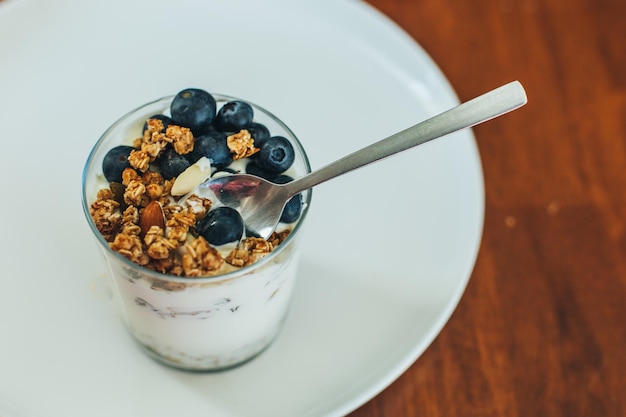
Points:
207	323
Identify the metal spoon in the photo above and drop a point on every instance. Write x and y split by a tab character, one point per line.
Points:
261	202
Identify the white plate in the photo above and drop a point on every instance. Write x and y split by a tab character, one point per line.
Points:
379	278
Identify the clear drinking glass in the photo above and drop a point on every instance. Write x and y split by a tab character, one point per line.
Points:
208	323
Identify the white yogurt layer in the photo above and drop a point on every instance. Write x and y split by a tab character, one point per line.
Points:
207	325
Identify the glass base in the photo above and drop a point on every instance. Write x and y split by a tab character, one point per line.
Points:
205	366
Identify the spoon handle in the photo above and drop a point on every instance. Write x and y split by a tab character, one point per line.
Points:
480	109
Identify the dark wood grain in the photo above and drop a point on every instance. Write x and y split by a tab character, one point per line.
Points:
541	329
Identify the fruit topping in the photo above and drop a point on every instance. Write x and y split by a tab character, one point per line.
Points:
221	225
276	155
171	163
213	146
253	169
291	211
115	162
193	108
234	116
259	132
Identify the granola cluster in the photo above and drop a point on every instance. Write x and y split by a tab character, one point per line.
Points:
252	249
155	139
241	144
141	220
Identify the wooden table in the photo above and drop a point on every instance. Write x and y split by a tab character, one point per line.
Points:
541	329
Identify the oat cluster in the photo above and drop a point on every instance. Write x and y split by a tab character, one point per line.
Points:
177	249
241	144
155	139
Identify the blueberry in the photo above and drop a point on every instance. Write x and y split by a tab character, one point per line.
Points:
276	154
212	145
253	169
226	170
193	108
259	132
163	118
234	116
221	225
293	208
115	162
171	163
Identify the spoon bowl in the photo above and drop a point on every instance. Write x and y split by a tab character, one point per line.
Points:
261	202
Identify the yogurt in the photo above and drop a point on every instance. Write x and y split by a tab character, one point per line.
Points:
209	322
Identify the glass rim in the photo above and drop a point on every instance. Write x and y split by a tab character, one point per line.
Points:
204	279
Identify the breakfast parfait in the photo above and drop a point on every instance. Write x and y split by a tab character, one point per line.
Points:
196	289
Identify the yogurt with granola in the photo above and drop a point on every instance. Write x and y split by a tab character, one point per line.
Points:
195	290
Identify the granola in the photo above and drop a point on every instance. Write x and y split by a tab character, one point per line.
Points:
171	245
105	214
249	251
241	144
155	140
181	138
201	258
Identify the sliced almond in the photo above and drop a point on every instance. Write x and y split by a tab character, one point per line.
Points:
152	215
193	176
